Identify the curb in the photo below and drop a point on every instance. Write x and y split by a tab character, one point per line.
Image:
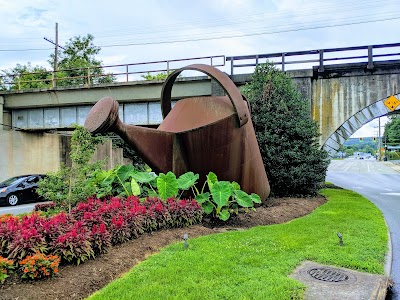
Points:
389	254
395	167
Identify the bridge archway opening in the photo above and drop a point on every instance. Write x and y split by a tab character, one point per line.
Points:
380	108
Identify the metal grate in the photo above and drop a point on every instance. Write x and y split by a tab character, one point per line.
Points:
328	275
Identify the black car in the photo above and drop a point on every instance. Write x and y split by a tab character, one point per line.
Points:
20	189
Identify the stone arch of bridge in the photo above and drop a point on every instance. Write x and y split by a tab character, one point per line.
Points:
380	108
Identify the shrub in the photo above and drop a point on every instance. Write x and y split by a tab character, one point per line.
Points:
6	217
70	185
120	231
184	212
157	212
55	226
74	246
89	229
28	238
26	242
100	238
8	227
6	268
44	206
286	134
49	209
39	266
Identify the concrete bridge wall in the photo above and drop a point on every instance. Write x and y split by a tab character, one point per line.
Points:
39	153
342	101
28	153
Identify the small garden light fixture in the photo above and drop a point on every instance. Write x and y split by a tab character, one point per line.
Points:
340	239
185	241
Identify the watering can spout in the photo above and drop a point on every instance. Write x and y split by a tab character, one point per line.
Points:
154	146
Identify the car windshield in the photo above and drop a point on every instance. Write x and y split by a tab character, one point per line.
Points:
11	180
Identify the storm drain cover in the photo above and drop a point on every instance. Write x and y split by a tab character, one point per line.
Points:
328	275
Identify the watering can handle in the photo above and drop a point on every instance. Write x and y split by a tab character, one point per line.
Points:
226	83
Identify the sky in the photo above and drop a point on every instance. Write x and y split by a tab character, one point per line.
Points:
139	31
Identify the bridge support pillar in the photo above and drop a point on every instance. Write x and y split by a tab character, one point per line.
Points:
1	112
5	116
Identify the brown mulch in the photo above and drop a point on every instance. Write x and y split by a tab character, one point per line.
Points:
78	282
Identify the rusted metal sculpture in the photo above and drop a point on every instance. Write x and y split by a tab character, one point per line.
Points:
200	134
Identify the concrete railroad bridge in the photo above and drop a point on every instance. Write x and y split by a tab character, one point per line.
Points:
346	87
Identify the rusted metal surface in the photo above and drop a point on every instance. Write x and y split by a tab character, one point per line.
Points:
200	134
226	83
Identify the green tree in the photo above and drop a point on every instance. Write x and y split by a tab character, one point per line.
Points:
24	77
349	151
286	134
78	60
70	185
156	77
392	131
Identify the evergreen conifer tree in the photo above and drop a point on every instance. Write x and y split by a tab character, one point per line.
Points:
286	133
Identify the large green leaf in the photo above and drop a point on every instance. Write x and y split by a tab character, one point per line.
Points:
135	188
124	172
207	207
224	215
243	199
144	177
167	185
221	191
235	185
255	198
187	180
201	198
108	180
211	179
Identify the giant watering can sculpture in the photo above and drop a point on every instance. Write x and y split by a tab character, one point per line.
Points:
200	134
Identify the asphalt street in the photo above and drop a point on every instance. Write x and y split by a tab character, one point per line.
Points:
381	185
18	209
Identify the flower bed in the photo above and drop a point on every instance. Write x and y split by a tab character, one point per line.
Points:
87	231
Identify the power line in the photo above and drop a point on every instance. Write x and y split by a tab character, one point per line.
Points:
285	28
277	29
248	34
304	12
32	49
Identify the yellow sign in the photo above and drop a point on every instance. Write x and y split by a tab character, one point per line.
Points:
392	102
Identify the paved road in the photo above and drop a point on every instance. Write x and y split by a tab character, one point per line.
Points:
18	209
380	184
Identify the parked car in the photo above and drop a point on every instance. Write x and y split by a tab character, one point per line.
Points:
20	189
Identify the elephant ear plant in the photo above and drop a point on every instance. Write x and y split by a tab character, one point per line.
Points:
224	198
124	181
221	199
127	181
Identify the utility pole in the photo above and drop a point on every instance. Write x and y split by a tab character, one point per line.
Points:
379	139
55	56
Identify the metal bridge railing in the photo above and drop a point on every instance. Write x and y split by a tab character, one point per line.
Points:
122	73
309	58
135	71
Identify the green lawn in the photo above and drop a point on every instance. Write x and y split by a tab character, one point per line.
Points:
255	263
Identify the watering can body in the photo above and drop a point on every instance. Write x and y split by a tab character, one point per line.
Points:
199	134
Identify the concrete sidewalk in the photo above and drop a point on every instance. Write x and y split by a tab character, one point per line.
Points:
394	165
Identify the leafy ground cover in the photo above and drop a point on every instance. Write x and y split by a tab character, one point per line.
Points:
84	233
80	281
255	263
